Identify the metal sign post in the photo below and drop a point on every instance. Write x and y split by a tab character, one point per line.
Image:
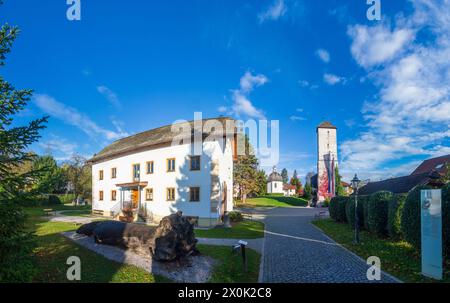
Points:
431	225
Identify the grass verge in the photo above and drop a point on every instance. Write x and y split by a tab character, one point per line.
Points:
273	201
241	230
230	269
398	258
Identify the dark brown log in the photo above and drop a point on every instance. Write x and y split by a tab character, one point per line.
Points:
174	238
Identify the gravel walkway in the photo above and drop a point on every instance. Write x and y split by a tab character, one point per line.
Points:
195	269
295	251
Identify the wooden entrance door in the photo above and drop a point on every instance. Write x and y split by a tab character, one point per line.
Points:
135	198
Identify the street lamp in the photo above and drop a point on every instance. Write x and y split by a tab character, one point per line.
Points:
355	185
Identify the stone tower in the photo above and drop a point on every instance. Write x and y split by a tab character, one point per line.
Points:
327	160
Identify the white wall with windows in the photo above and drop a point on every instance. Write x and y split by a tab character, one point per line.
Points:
164	174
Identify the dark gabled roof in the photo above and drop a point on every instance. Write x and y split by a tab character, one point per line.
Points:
289	187
438	164
326	124
151	138
398	185
275	177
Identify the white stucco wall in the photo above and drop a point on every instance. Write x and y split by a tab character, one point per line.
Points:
181	179
275	187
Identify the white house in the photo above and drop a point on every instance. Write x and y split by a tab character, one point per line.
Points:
146	177
275	183
289	190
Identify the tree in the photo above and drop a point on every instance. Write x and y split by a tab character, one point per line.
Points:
262	182
284	174
79	175
246	172
338	183
307	193
15	242
446	176
53	180
296	182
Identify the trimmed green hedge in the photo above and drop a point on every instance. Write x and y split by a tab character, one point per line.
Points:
378	212
446	220
410	218
337	209
350	212
333	208
395	208
364	200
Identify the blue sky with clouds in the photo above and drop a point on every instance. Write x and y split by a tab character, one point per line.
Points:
129	66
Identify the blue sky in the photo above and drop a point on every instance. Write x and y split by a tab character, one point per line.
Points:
129	66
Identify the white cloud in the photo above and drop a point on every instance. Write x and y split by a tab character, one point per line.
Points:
323	55
222	109
241	104
73	117
275	11
410	114
60	148
377	44
109	95
332	79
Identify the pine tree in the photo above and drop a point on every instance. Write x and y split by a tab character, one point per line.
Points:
246	173
15	242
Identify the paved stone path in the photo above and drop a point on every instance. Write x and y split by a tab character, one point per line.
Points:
295	251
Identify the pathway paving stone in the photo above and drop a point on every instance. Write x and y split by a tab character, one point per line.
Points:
295	251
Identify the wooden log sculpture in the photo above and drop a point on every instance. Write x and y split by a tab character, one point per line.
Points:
174	238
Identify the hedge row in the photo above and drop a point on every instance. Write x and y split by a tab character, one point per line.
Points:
387	215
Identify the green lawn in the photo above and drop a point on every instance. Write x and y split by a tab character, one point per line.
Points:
397	257
241	230
39	211
77	213
231	270
52	250
273	201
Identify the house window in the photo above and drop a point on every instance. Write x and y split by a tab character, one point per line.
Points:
113	195
100	195
275	185
195	162
100	175
170	194
150	167
194	194
149	194
136	171
113	173
171	165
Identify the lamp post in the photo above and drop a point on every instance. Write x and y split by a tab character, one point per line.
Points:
355	185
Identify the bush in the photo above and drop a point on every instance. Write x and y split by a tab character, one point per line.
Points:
326	203
364	200
337	208
53	200
350	212
378	212
235	216
446	220
333	208
410	217
67	198
395	207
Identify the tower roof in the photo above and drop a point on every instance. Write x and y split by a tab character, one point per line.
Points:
275	177
326	124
